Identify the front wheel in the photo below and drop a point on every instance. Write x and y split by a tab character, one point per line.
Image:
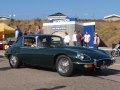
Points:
14	62
64	65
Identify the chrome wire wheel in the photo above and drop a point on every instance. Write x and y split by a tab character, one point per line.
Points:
13	60
63	65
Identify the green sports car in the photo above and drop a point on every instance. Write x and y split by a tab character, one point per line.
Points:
50	51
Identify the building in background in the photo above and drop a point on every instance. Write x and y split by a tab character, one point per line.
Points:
57	16
4	19
112	17
69	25
60	26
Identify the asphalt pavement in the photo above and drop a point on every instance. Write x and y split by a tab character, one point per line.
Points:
2	53
32	78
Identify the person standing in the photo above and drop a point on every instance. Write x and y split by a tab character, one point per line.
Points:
74	39
86	39
67	39
38	30
82	40
18	33
79	37
96	40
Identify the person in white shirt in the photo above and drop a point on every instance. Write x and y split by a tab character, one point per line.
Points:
96	40
74	39
87	39
66	38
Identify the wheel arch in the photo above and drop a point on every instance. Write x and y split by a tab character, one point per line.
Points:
57	55
9	55
69	54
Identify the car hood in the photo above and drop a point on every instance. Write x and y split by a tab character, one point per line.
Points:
93	53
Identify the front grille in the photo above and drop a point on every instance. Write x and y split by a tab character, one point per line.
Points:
104	62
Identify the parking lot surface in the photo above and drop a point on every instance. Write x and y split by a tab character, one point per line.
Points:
32	78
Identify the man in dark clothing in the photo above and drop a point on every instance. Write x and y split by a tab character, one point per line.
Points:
79	37
18	33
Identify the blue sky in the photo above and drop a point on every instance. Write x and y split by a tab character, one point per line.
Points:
83	9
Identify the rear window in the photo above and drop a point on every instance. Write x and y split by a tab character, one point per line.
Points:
50	41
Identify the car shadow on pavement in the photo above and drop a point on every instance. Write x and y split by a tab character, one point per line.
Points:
54	88
41	68
5	68
107	72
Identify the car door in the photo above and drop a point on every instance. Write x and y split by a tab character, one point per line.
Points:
46	51
37	55
43	52
28	50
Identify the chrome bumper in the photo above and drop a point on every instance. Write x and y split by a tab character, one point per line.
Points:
111	61
96	62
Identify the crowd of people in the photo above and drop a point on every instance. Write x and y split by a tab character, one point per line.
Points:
78	38
18	32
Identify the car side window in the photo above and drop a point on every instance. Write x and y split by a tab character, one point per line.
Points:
45	41
29	42
55	40
48	41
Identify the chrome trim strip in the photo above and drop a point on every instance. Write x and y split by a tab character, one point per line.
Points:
95	61
81	63
104	59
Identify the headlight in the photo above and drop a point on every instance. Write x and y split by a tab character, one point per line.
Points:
80	56
6	47
83	57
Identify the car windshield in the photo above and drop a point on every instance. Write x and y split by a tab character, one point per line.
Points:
51	41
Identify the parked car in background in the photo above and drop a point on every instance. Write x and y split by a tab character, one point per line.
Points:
116	50
50	51
2	45
8	45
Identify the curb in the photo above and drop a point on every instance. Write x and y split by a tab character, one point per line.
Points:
1	56
2	53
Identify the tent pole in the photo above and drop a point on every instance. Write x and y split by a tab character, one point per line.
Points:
3	36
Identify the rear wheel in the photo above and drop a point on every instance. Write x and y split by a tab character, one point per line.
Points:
64	65
14	62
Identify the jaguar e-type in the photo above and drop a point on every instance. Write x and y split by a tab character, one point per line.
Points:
50	51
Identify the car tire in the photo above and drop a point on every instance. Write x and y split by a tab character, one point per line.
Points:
14	62
115	53
64	66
